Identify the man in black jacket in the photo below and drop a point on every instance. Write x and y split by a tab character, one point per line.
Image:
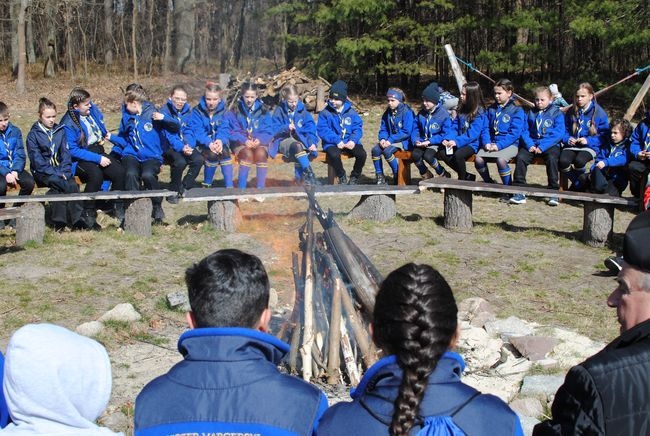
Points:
609	393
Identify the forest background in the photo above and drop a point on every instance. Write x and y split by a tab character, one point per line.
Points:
370	43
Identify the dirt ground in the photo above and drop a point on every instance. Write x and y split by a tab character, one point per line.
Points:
526	260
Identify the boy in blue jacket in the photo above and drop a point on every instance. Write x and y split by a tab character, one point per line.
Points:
608	174
178	148
640	155
340	128
228	381
12	158
138	142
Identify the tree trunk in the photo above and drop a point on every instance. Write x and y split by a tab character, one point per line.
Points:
458	209
108	32
14	9
239	38
152	6
22	55
169	21
185	26
134	48
31	52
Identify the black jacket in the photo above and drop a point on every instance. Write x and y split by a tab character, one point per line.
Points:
609	393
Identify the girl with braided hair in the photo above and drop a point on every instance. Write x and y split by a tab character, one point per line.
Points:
416	389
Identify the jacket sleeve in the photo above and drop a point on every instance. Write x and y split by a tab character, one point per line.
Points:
266	129
445	129
404	133
65	160
553	136
383	128
199	134
636	140
279	125
602	131
618	159
19	158
81	153
168	123
485	136
327	134
477	129
174	140
568	127
577	408
511	137
526	141
356	128
308	130
38	163
236	132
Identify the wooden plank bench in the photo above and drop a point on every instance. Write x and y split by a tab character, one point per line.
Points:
598	208
137	219
377	201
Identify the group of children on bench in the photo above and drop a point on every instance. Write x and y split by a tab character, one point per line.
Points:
210	136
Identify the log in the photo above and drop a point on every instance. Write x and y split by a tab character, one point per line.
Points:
638	99
379	208
296	315
334	361
597	223
308	320
31	224
455	67
320	98
368	350
137	219
348	356
458	209
224	215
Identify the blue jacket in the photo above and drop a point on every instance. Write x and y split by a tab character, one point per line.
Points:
229	383
640	139
468	134
256	123
4	411
177	140
12	151
334	127
504	125
616	158
203	128
583	121
371	409
397	126
302	120
543	129
48	151
139	134
432	126
78	150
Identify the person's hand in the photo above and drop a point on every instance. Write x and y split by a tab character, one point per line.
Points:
292	127
11	178
250	143
187	150
257	142
350	145
216	146
157	116
538	150
313	147
383	143
104	161
533	149
600	164
582	141
643	155
451	143
340	145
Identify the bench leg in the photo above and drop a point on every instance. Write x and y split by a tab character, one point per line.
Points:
224	215
404	172
375	207
597	224
31	224
331	175
137	218
458	209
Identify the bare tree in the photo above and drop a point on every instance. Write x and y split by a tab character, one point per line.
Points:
108	31
22	52
134	49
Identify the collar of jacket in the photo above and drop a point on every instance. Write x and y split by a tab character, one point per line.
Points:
636	334
299	107
257	106
231	344
344	108
221	107
175	112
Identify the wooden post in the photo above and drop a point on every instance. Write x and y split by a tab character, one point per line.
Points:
455	67
224	215
334	346
308	321
31	224
458	209
137	218
597	223
296	315
379	208
638	99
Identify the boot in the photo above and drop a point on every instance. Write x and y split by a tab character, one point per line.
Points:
381	180
343	180
309	178
428	175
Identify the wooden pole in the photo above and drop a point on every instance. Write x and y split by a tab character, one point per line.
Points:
348	356
638	99
334	361
368	350
455	67
308	321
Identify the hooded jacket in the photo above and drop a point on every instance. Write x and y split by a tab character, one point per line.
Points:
640	139
396	126
48	151
504	125
57	383
466	133
302	120
228	382
543	128
12	151
371	409
431	126
334	127
255	123
73	132
176	140
594	113
203	128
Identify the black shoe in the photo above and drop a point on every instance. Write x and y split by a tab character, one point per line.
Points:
343	180
353	180
614	263
470	177
172	199
59	227
446	175
159	222
381	180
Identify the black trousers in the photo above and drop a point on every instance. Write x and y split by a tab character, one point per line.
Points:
177	164
334	159
638	171
144	174
427	154
93	175
551	159
26	182
601	183
457	161
64	213
579	159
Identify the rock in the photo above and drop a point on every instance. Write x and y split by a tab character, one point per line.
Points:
547	363
90	329
512	326
527	406
482	318
273	298
179	300
541	386
374	207
534	348
527	424
116	421
573	348
470	307
124	312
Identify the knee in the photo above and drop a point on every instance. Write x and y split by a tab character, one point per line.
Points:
295	148
260	154
245	155
376	151
333	152
388	152
479	161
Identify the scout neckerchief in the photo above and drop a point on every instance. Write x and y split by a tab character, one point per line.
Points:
497	115
391	120
339	112
54	157
539	122
3	135
581	112
249	120
647	140
94	129
427	124
613	147
137	141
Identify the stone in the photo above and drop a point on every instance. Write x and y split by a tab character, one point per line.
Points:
573	347
470	307
124	312
90	329
534	348
511	326
541	386
527	406
137	217
482	318
375	207
179	300
116	421
31	225
528	423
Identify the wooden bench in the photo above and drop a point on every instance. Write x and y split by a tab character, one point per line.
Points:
598	208
377	201
137	219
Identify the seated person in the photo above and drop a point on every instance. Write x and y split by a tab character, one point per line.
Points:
228	381
609	173
416	388
340	128
56	382
640	165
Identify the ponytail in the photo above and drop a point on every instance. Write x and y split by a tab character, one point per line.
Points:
77	95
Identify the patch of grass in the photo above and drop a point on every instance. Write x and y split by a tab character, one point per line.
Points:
149	338
84	290
117	326
525	267
448	258
494	274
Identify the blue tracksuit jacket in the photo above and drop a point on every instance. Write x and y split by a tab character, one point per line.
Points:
334	127
302	120
228	383
504	125
48	151
176	141
203	128
640	139
468	134
371	409
616	158
432	126
78	150
12	151
139	134
397	126
244	124
583	121
543	129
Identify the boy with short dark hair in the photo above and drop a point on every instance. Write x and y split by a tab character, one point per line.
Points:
228	382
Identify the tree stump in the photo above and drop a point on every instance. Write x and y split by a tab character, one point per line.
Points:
458	209
137	218
224	215
31	225
375	207
597	224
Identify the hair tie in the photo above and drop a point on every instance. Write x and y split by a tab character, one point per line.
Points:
393	93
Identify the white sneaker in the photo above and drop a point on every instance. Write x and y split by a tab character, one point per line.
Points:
553	201
518	199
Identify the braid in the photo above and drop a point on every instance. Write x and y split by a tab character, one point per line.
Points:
415	319
77	95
